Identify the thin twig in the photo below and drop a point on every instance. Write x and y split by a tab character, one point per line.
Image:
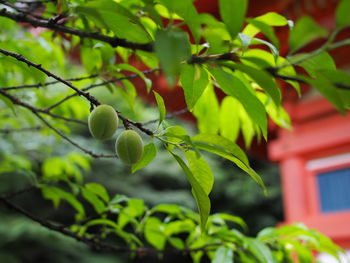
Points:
91	153
113	80
50	74
19	192
80	92
38	85
113	41
17	101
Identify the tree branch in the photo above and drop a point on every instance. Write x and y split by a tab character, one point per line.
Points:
113	41
80	92
38	85
95	155
103	245
113	80
50	74
17	101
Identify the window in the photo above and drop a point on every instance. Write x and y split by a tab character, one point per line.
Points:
334	190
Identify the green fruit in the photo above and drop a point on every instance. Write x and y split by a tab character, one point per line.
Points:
103	122
129	147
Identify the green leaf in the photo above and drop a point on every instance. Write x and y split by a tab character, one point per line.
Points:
154	232
223	255
93	200
98	190
188	12
263	79
200	170
328	90
177	242
223	147
206	111
260	250
266	29
342	14
128	67
340	78
172	48
194	79
272	19
55	194
305	31
232	86
229	122
149	153
161	106
112	15
316	63
167	208
232	13
202	199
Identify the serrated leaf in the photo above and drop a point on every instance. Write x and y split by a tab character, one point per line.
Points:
263	79
172	48
161	106
232	13
149	153
232	86
202	200
200	170
206	111
194	79
229	122
223	147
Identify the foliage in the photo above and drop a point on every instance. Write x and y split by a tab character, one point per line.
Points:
213	55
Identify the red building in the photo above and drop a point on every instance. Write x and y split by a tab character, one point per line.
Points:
314	157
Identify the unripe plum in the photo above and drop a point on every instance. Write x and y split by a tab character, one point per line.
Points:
103	122
129	147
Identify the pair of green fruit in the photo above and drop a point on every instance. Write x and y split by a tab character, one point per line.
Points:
103	123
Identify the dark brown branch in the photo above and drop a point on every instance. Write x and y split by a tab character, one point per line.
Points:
19	192
38	85
113	80
91	153
50	74
113	41
17	101
36	112
274	72
99	244
231	56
